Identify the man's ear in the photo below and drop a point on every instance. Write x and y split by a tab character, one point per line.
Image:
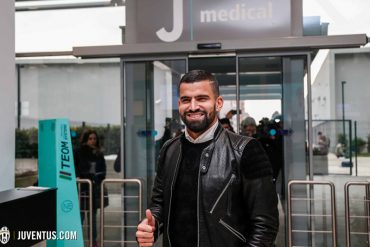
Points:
219	103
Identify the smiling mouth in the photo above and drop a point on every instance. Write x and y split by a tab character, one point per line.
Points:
196	115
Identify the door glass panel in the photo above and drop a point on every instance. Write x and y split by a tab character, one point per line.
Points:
260	80
151	118
272	111
151	115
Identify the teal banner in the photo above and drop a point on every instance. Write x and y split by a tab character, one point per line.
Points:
56	169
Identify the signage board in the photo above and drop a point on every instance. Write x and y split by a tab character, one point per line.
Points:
205	20
56	170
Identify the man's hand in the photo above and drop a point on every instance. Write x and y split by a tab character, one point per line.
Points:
145	230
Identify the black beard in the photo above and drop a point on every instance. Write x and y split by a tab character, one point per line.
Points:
199	126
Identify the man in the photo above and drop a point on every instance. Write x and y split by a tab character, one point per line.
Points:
225	123
249	127
213	187
323	143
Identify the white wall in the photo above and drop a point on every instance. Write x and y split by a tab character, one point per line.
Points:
322	95
88	92
7	94
352	66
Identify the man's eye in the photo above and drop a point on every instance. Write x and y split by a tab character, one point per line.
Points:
202	99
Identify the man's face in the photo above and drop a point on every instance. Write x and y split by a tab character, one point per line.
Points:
250	130
198	106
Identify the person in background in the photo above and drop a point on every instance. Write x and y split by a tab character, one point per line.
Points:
213	187
249	127
323	143
90	164
230	114
270	136
225	122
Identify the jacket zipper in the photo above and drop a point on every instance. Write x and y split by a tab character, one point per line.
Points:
198	217
233	231
172	185
222	192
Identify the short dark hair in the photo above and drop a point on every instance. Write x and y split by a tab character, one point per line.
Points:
200	75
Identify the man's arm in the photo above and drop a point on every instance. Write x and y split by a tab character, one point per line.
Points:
260	196
263	215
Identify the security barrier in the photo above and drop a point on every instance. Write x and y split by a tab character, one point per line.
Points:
366	202
126	213
83	198
311	215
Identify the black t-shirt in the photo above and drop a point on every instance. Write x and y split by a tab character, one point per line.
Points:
183	219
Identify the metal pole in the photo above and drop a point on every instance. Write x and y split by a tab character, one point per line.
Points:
238	130
346	213
309	112
290	228
367	203
89	183
310	149
334	213
350	146
19	100
343	115
356	148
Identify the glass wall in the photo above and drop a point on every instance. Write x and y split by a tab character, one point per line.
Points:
341	130
85	92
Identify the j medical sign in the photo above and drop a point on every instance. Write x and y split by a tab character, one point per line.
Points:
199	20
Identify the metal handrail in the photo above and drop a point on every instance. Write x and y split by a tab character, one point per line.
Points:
347	210
333	210
89	183
102	210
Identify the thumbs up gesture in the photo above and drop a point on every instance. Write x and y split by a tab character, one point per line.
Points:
145	230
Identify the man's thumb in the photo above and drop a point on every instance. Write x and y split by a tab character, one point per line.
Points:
149	216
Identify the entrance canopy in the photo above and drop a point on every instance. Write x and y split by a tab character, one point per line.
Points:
286	44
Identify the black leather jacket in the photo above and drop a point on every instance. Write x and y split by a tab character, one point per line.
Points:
233	209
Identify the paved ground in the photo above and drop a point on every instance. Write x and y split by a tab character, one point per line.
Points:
335	167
